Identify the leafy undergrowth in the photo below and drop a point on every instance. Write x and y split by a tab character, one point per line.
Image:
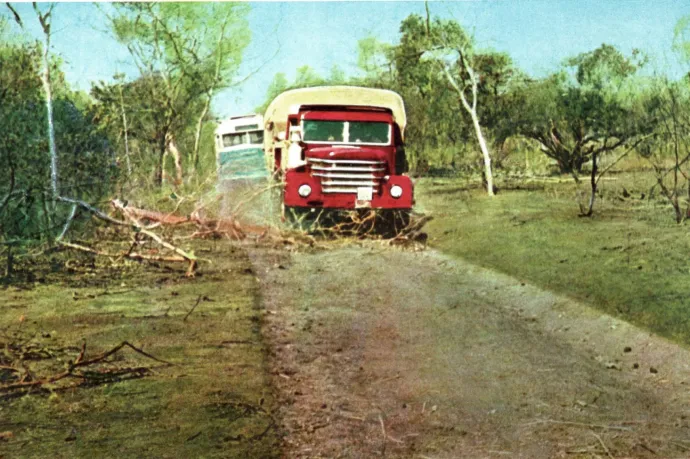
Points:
629	260
213	401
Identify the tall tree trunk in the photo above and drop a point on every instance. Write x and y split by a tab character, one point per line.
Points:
175	153
197	134
485	153
44	19
593	183
160	167
472	110
124	124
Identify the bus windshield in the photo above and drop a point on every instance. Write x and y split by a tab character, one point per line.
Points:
243	138
365	132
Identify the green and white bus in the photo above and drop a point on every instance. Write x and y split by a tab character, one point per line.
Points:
240	148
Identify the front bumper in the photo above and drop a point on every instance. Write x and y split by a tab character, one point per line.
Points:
381	198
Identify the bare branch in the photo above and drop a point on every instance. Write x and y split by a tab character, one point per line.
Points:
96	212
17	18
68	223
623	155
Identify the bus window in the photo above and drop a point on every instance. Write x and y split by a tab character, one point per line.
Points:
230	140
256	137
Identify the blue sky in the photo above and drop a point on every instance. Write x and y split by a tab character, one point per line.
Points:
538	34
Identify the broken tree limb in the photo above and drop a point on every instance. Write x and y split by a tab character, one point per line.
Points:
87	249
128	254
68	223
135	256
94	211
107	354
133	223
228	226
189	257
80	362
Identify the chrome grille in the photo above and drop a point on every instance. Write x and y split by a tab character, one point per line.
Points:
346	175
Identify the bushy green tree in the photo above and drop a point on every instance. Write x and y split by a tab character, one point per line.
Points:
588	108
185	53
146	123
27	210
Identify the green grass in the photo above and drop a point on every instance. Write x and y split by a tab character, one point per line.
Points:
630	259
214	402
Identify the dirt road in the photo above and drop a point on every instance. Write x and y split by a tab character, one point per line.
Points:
378	352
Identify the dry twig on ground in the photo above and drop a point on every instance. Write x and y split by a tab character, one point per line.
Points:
94	370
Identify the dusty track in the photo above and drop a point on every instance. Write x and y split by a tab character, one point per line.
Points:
384	353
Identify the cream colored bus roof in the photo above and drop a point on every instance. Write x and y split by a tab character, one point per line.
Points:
282	105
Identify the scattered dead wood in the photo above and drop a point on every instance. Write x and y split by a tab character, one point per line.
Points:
20	379
137	227
395	229
133	256
222	227
412	232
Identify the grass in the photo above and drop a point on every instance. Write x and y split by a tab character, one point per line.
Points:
629	260
215	401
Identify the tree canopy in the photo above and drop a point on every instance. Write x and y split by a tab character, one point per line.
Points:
185	52
594	104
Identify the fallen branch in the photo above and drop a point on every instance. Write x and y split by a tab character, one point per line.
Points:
579	424
412	232
143	214
131	255
198	300
107	354
603	445
133	223
227	226
79	362
94	211
119	206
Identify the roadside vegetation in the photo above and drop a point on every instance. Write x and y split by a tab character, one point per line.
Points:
629	260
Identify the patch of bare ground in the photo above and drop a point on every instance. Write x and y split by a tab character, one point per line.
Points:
388	353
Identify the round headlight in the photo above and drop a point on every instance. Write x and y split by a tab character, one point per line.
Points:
396	191
304	190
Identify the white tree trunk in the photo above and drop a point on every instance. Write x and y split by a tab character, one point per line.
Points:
485	153
209	96
124	124
472	110
47	89
197	133
175	153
